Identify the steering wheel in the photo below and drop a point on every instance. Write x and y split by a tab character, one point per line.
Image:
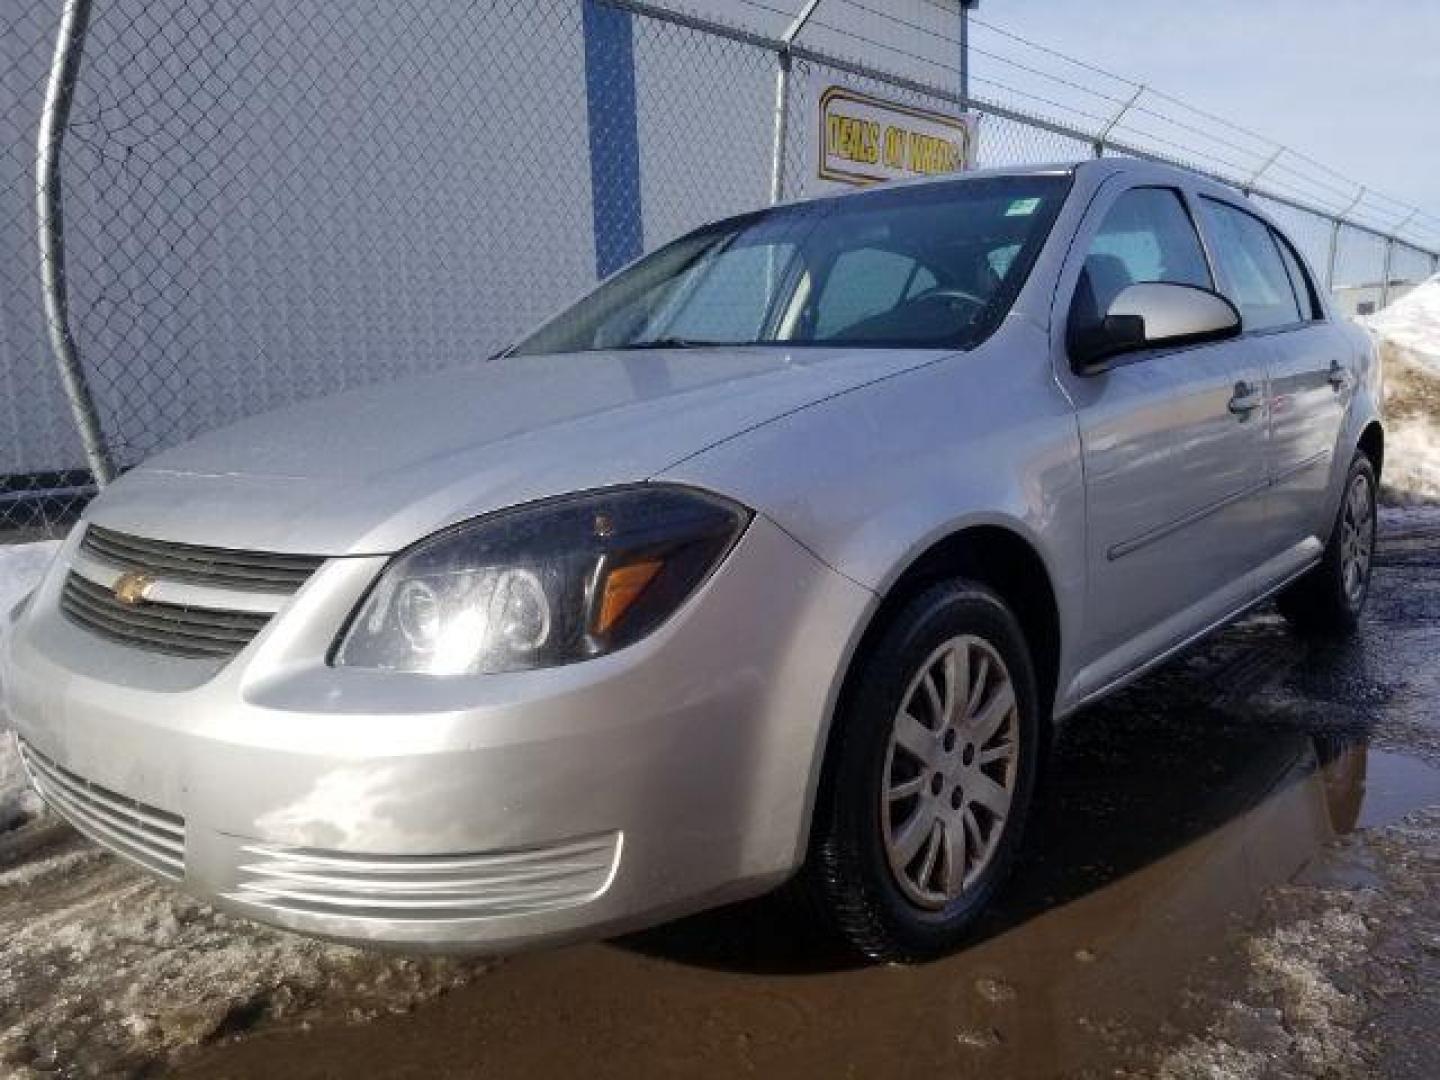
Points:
948	293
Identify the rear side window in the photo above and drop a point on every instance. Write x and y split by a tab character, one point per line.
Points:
1300	279
1147	236
1252	271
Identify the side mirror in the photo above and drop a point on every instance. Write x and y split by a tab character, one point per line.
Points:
1152	315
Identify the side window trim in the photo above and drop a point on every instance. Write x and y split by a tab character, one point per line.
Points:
1307	296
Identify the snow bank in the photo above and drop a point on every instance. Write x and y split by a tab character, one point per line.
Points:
1409	333
1413	323
105	973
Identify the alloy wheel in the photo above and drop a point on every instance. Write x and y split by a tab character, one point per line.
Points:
1357	537
950	772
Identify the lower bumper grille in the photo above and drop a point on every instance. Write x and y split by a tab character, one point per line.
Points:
151	837
429	887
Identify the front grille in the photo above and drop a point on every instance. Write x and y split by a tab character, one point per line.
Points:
428	887
143	834
219	567
166	628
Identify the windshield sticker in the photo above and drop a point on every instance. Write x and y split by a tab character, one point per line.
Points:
1022	207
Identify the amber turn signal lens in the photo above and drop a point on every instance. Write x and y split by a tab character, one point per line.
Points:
623	587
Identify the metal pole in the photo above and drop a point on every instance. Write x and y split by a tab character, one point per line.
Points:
1334	251
1385	275
1110	126
781	126
55	116
1335	236
1262	170
782	97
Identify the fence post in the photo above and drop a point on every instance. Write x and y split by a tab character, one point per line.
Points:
1385	274
1334	251
782	97
1099	143
1262	170
50	230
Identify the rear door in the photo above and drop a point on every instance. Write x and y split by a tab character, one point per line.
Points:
1173	445
1309	383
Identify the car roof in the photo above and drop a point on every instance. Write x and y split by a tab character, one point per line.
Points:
1096	170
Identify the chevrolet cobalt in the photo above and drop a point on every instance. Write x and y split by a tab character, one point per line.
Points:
781	555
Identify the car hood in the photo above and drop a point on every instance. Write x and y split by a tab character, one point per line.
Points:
373	470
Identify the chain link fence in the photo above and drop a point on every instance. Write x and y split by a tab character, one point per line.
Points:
268	200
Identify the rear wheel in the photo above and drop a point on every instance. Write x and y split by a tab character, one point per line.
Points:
1330	598
930	777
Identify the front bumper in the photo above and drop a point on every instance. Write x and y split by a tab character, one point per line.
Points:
472	814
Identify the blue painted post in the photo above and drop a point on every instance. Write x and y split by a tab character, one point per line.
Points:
614	135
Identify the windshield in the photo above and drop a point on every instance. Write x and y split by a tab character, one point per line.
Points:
933	266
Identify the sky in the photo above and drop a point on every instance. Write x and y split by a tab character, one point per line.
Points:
1354	85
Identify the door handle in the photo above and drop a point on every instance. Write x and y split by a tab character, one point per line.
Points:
1245	400
1338	377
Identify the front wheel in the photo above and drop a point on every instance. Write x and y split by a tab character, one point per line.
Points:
930	777
1330	598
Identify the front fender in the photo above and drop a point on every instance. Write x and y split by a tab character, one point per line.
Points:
870	480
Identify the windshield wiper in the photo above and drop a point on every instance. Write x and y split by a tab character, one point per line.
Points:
680	343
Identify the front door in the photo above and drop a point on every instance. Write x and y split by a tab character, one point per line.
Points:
1174	450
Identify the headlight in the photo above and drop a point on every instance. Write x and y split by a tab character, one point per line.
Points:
544	585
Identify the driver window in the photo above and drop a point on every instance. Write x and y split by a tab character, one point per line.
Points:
866	282
1147	236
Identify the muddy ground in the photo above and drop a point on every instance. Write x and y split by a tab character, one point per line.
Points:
1236	874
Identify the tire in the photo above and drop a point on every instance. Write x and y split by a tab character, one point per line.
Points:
912	913
1329	599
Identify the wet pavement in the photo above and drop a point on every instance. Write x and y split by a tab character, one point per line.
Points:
1224	848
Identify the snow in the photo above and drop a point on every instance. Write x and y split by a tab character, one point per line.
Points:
1413	322
1409	335
105	972
21	566
1292	1018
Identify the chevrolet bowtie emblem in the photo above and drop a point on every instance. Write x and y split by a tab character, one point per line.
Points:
132	586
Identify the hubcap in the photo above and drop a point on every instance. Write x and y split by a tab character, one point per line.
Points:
950	771
1357	538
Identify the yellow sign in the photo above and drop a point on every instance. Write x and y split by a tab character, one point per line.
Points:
864	139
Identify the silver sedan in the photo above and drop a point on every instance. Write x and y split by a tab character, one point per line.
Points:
781	553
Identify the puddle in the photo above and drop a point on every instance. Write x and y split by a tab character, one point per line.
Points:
1394	786
1160	840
